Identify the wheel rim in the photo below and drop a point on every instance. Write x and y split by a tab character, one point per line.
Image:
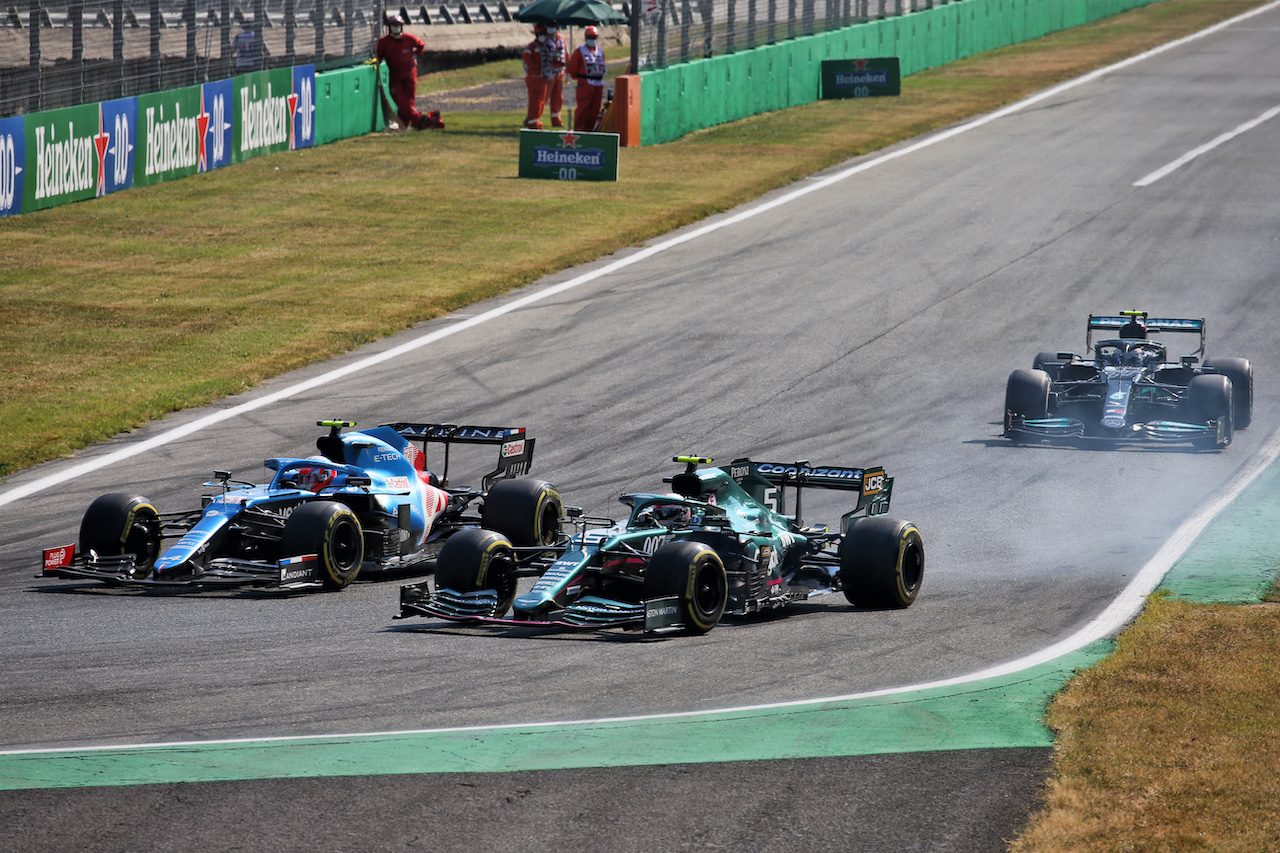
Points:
345	549
144	548
709	590
912	568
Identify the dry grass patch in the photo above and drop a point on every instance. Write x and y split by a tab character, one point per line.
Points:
1172	743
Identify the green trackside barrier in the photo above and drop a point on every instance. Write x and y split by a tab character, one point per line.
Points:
683	98
347	104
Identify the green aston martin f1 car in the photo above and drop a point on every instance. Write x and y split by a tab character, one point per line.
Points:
720	542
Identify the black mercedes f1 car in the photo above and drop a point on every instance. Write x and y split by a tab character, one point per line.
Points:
1130	389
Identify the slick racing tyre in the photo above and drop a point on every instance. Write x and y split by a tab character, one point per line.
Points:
695	574
1209	399
881	563
117	524
332	532
1240	372
1027	393
527	512
474	559
1048	362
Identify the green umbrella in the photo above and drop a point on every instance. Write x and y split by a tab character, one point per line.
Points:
570	12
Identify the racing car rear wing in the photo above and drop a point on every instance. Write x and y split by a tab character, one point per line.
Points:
760	478
515	455
1141	325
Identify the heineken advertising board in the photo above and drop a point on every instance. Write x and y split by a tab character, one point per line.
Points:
275	111
861	78
564	155
59	156
13	165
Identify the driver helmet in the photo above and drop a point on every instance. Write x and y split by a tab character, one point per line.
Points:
314	478
671	515
1137	357
395	24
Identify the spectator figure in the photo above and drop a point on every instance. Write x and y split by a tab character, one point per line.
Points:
544	61
400	50
250	50
559	58
587	68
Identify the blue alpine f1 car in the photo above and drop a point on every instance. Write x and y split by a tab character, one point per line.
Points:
1130	389
367	501
721	542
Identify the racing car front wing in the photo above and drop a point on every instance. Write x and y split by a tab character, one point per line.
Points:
652	616
291	573
1167	432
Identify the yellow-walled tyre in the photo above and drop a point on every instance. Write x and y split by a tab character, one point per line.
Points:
527	512
881	563
694	572
475	559
121	523
332	532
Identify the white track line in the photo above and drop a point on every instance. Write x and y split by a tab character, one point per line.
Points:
1204	149
1123	608
1108	623
19	492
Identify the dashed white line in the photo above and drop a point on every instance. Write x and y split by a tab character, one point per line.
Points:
1206	148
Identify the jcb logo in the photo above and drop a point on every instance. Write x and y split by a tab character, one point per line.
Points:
873	484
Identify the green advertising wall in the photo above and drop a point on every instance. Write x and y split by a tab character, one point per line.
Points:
346	103
683	98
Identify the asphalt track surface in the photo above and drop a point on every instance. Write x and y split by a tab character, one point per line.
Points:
872	320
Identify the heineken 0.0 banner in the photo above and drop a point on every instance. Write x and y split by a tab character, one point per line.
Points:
861	78
563	155
274	112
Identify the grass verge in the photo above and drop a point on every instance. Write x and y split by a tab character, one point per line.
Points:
1169	744
125	308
